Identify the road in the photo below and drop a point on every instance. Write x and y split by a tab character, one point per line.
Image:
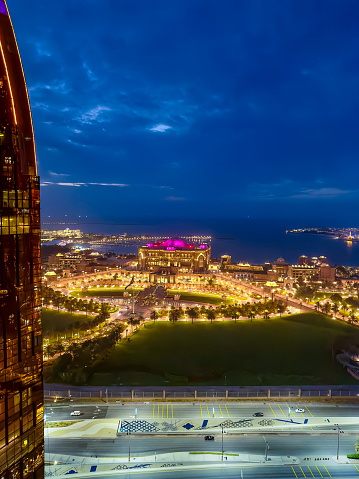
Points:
300	446
191	410
239	472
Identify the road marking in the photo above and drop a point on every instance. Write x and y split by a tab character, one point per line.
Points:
153	413
226	409
208	411
356	468
162	410
293	471
309	411
319	471
311	471
158	410
220	409
327	471
273	411
201	410
172	410
281	410
167	410
302	471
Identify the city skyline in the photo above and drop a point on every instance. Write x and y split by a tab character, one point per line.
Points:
177	108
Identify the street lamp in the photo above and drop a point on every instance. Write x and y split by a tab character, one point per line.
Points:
222	441
129	446
339	431
266	445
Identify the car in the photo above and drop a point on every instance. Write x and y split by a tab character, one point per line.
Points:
258	414
299	409
209	438
76	413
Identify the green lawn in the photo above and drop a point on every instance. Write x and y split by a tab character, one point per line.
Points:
185	296
290	350
107	292
53	321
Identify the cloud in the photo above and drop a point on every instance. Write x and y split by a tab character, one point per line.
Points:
41	50
79	184
52	173
90	74
175	198
310	193
93	115
161	128
56	86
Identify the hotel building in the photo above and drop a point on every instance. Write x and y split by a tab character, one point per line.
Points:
166	259
21	391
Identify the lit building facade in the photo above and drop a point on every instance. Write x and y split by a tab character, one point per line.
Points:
21	391
175	256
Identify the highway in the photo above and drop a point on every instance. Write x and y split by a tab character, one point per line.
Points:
239	472
300	446
315	449
191	410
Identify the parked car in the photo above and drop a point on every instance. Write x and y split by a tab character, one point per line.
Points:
299	409
258	414
76	413
209	438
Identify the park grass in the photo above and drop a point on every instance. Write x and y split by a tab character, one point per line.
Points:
101	292
291	350
185	295
53	321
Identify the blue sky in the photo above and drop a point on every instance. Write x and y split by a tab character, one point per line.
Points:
189	108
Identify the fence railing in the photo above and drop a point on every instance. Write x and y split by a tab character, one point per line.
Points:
138	395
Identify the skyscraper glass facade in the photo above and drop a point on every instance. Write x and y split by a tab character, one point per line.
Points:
21	392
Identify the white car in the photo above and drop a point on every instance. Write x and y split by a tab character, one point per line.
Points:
76	413
299	409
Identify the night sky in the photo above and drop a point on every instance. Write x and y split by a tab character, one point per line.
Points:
190	108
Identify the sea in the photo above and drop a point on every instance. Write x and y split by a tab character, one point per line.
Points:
247	240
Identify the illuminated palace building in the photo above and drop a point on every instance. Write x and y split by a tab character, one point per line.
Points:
21	395
165	259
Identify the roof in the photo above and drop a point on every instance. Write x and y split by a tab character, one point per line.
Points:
175	244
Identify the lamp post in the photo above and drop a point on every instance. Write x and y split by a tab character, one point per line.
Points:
266	445
222	441
339	431
129	446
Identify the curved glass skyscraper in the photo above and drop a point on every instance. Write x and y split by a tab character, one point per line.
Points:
21	396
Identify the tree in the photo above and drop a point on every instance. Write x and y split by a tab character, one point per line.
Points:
335	308
192	313
352	317
344	308
326	308
211	314
154	315
281	308
173	315
266	315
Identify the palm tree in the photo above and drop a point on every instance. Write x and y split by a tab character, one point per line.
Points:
192	313
154	315
173	315
335	308
326	307
211	314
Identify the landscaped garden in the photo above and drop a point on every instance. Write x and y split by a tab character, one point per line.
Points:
297	349
53	321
